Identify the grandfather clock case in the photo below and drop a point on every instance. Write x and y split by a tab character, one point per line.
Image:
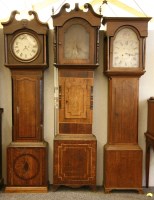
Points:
124	65
26	57
76	57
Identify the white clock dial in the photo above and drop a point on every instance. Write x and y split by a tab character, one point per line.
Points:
126	49
25	47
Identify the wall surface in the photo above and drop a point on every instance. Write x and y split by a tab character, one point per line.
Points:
100	106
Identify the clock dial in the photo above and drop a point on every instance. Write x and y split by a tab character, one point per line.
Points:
76	43
126	49
25	47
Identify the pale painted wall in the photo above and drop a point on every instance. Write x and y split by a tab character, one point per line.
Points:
100	106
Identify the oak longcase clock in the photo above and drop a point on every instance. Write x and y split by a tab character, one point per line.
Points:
76	57
26	56
124	64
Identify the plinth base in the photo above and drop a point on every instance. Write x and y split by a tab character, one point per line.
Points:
75	160
122	167
26	189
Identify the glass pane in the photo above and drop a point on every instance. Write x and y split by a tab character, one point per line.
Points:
76	43
126	49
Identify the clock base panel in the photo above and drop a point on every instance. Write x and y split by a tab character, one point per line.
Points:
75	160
122	167
27	166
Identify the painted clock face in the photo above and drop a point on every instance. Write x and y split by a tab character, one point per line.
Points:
25	47
126	49
76	43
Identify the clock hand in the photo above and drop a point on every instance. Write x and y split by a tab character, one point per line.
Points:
25	48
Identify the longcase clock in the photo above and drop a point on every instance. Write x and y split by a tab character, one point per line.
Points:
26	56
76	57
124	65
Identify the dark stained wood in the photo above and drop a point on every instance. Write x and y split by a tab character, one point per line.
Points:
122	154
27	155
150	120
76	37
13	27
76	73
115	24
149	145
76	56
75	128
1	176
60	18
81	52
149	136
139	23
